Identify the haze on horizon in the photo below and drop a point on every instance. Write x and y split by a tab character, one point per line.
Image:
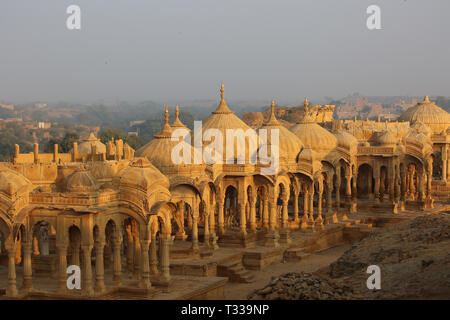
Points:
167	50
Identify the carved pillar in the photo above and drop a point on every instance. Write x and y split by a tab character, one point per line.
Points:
272	235
194	233
376	177
99	266
27	269
391	181
145	282
444	162
295	203
165	241
212	223
206	234
87	270
369	184
253	215
137	255
117	264
242	220
305	217
153	257
266	213
338	188
421	183
11	290
311	203
403	187
318	222
62	267
284	233
220	217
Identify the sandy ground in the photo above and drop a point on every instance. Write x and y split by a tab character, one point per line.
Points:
314	262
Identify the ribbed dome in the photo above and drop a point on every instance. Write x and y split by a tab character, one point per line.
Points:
314	136
81	181
86	146
143	174
308	155
288	143
159	150
346	140
222	119
428	113
12	182
387	139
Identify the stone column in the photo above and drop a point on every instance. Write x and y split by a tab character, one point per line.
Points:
403	188
153	257
444	162
137	256
194	233
206	230
391	182
354	202
145	282
220	217
99	266
376	190
165	241
296	218
130	249
311	203
35	246
117	264
421	185
11	290
212	236
305	217
242	220
272	234
284	233
369	184
62	267
266	214
338	188
27	269
87	270
253	215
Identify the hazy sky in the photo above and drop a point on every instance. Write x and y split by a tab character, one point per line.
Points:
181	49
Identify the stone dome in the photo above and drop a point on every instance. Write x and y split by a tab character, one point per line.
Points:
387	139
289	144
142	174
81	181
428	113
85	147
314	136
159	150
222	119
308	155
346	140
12	182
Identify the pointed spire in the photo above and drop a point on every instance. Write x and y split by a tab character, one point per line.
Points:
166	130
272	118
166	116
177	122
306	104
222	108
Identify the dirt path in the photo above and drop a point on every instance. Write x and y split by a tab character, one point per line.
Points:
312	263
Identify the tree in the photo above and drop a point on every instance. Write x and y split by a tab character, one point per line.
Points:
66	143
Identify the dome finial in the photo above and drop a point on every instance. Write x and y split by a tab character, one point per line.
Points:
166	116
222	92
426	99
273	108
306	105
177	112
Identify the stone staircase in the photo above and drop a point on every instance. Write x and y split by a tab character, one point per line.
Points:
235	272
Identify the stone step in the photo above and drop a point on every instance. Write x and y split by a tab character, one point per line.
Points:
297	254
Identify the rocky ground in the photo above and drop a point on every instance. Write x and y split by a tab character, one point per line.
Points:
414	258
